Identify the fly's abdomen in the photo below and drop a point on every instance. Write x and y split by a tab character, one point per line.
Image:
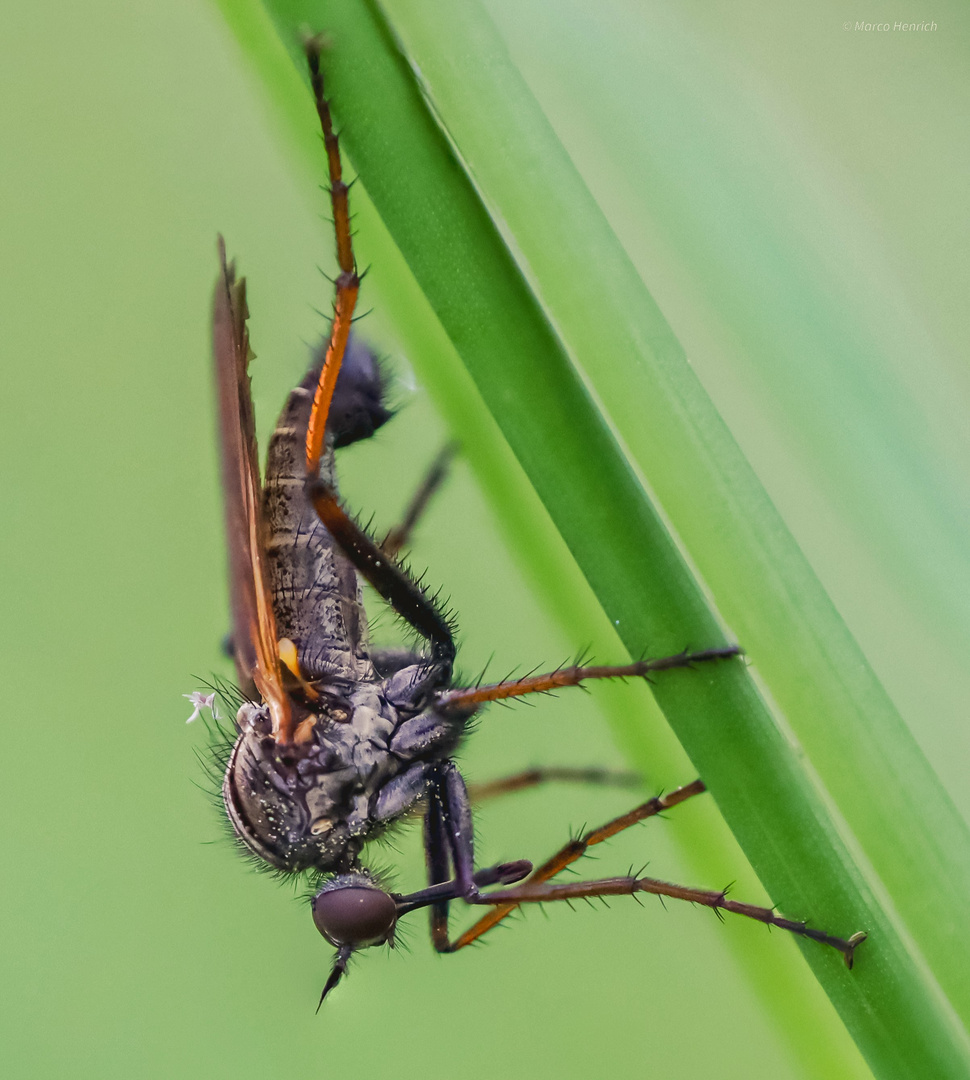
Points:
316	594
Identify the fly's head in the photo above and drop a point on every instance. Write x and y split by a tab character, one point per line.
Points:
353	912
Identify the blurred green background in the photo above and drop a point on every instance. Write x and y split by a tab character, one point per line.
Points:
792	192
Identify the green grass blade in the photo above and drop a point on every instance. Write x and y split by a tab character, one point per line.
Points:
537	389
763	586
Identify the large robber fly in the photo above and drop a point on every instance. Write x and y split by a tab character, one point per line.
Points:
335	743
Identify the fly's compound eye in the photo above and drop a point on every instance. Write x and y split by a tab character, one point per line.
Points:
354	915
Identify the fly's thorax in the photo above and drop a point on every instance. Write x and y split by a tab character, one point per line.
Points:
309	804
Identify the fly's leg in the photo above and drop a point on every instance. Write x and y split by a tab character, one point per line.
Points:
537	890
439	870
448	791
530	778
400	535
387	661
628	886
567	855
448	843
392	583
357	408
347	284
469	699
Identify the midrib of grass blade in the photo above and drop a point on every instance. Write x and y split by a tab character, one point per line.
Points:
595	498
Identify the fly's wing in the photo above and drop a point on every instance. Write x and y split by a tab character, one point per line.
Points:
253	622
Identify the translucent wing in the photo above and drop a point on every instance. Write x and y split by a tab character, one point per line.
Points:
253	622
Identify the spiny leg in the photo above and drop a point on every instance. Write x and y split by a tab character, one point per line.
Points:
471	698
377	565
628	886
347	283
400	535
535	889
567	855
391	582
529	778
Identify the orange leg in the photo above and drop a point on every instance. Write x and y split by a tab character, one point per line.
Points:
535	890
628	886
469	699
534	777
568	854
347	283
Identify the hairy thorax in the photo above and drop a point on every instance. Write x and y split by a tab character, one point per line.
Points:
312	804
368	759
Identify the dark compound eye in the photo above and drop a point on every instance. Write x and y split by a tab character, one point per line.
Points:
354	915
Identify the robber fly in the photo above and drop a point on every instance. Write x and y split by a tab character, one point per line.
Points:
335	744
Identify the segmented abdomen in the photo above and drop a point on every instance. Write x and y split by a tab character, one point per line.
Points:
316	594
